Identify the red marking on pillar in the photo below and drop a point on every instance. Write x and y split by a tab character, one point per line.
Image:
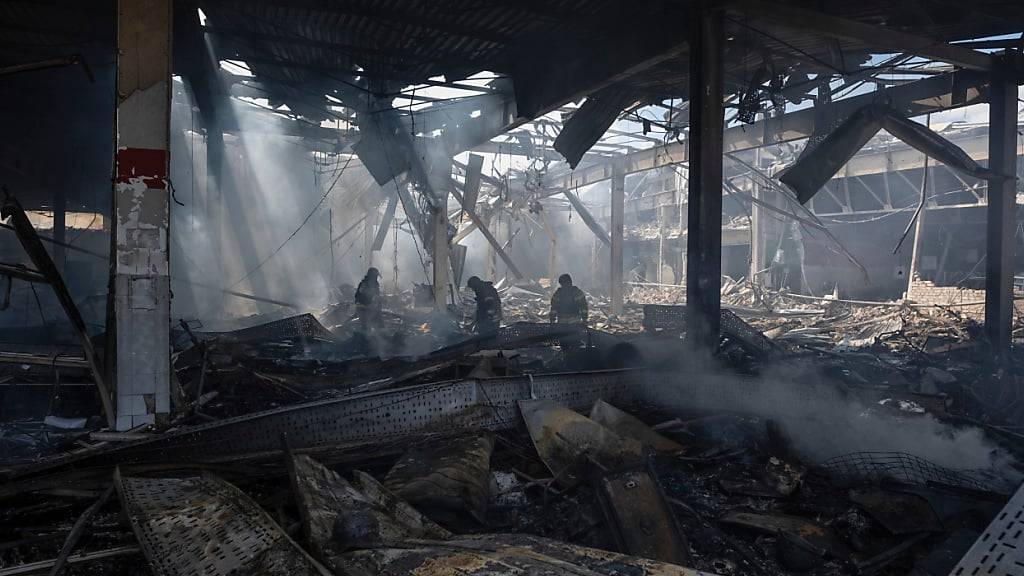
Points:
145	163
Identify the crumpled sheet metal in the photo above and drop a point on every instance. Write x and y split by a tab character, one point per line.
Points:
398	509
899	512
337	516
569	443
299	326
639	515
446	478
816	167
202	525
629	426
493	554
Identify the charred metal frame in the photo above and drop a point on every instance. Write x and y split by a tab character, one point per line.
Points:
707	122
47	269
1002	205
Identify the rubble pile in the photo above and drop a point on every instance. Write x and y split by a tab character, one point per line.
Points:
651	231
299	447
618	489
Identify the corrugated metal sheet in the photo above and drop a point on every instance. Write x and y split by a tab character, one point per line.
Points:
299	47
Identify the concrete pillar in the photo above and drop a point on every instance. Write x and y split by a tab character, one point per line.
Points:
757	232
441	265
915	251
618	217
704	221
662	231
1002	206
142	212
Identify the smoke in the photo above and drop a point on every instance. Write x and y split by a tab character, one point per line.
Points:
264	226
824	419
530	246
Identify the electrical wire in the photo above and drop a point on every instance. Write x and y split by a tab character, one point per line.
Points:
296	231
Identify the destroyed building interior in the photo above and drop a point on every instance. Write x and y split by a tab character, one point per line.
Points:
511	287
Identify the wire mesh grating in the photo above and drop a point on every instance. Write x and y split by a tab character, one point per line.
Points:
202	525
900	466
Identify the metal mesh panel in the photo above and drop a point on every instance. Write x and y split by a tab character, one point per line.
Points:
1000	548
734	327
664	318
874	466
672	319
365	417
535	332
301	326
388	414
202	525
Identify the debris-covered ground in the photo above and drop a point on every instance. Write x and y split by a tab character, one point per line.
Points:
299	445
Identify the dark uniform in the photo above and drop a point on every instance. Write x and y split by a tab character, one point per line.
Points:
569	303
368	302
569	306
488	306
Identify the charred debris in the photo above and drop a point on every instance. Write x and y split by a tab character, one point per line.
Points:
289	449
517	288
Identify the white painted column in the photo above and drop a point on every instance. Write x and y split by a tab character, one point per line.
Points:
142	213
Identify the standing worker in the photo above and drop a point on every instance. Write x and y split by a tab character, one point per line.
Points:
368	302
488	305
568	303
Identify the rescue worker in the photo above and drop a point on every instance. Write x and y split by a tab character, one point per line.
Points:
568	303
488	305
368	302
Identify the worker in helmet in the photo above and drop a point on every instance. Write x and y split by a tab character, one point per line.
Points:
488	305
368	302
568	304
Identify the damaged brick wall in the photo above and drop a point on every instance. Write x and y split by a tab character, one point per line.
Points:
970	302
